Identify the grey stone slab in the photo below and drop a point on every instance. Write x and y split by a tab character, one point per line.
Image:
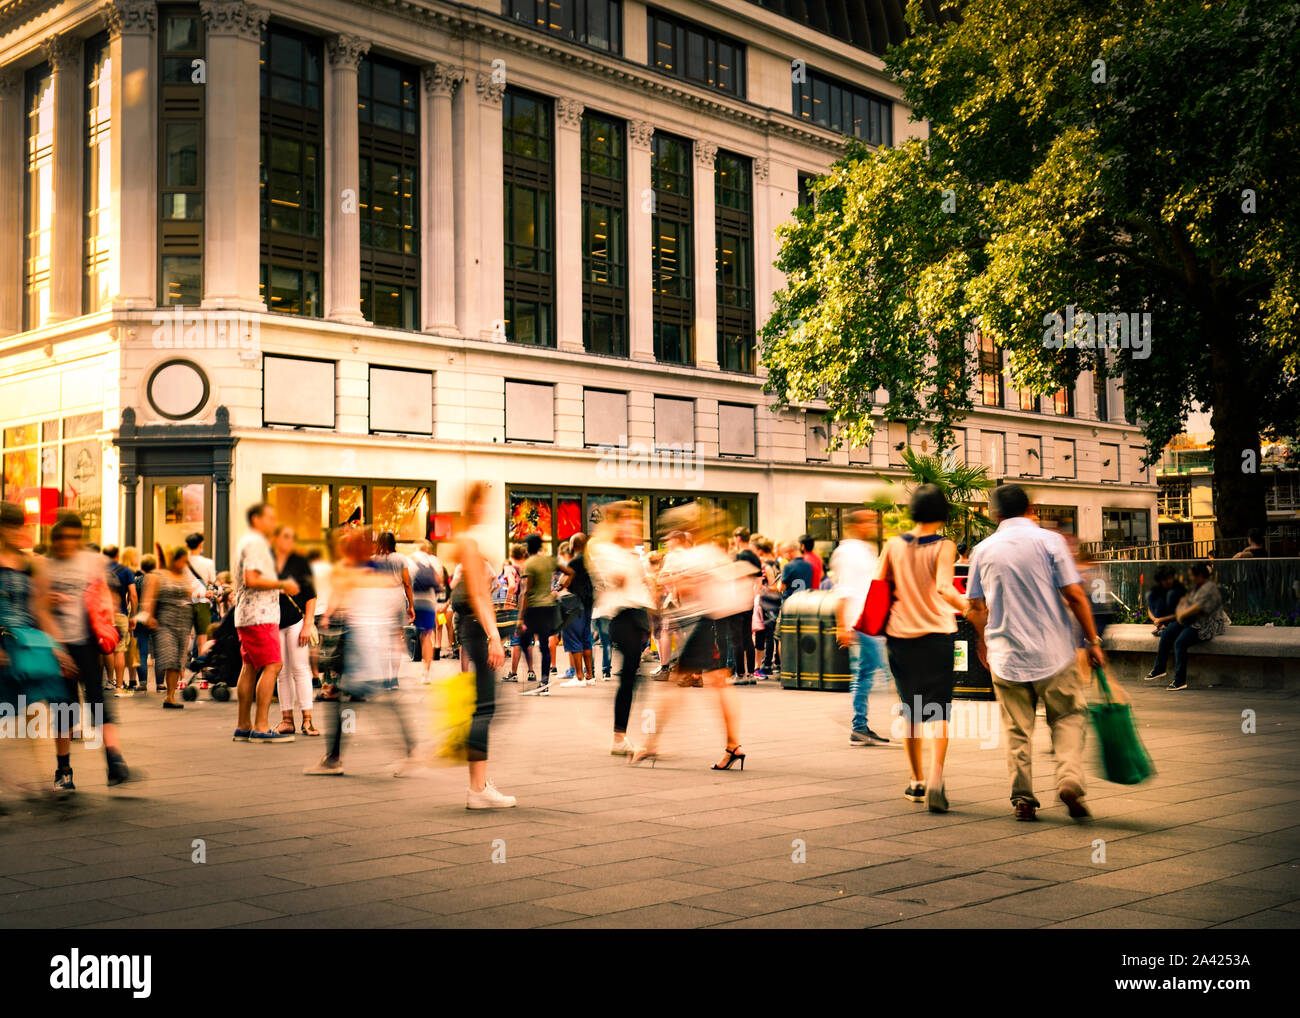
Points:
618	897
757	899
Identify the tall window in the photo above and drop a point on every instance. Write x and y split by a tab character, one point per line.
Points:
695	53
604	235
1028	401
529	219
292	172
96	175
843	108
734	219
181	107
806	196
670	250
595	23
389	136
1063	402
38	198
1099	396
991	381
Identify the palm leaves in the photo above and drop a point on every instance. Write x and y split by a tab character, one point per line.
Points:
960	483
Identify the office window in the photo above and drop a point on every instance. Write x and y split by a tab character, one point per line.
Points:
1126	526
530	412
843	108
38	198
992	384
674	423
695	53
528	161
298	391
292	173
994	453
389	145
1031	456
734	222
96	176
1061	518
670	251
1063	451
859	23
1027	400
604	235
1109	455
401	401
1063	402
594	23
737	431
604	418
1100	402
181	157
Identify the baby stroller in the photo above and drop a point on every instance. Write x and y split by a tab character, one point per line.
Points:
218	667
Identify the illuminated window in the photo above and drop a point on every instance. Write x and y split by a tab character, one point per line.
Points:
604	236
734	221
594	23
670	250
181	156
528	167
843	108
39	197
96	175
695	53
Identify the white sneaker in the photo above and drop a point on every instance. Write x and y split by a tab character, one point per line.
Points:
574	682
489	798
426	680
411	766
621	747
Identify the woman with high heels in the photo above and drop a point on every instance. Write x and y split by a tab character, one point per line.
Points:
919	636
623	597
711	587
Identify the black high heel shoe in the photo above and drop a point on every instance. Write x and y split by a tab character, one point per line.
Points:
732	756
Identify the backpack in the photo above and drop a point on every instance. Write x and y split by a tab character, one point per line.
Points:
425	578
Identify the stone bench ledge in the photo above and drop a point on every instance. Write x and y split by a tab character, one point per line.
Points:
1238	641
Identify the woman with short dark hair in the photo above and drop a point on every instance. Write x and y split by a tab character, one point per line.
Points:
919	637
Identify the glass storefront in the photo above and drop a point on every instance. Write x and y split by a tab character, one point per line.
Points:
1061	518
559	514
55	466
314	505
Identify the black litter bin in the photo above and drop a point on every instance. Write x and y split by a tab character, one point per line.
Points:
970	679
811	657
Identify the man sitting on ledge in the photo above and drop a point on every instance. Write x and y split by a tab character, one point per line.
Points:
1199	618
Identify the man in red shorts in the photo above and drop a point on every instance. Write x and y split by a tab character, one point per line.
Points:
257	621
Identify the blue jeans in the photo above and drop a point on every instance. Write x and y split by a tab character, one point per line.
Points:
1178	638
606	645
866	656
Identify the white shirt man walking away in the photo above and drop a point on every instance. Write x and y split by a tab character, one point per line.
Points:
1022	579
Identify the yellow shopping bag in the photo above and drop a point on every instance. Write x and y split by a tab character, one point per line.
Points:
451	707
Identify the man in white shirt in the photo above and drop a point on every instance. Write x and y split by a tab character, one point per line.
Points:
853	566
204	572
257	621
1023	588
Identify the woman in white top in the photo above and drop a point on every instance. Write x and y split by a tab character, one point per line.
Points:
623	597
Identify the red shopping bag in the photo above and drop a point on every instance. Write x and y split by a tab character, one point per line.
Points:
875	611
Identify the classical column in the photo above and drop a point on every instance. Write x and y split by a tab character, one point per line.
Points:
489	316
134	158
12	172
231	222
640	224
705	265
343	294
66	259
438	250
568	224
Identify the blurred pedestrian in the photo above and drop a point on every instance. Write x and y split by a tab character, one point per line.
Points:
854	565
168	615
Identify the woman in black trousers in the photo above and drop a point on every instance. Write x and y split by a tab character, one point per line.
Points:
623	597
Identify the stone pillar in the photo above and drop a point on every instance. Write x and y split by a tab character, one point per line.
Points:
343	268
640	224
13	169
134	153
467	185
568	224
231	219
765	249
489	316
438	223
705	258
67	267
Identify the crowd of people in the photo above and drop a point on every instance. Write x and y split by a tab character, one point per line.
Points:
698	606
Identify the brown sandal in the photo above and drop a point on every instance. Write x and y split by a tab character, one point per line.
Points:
309	729
281	730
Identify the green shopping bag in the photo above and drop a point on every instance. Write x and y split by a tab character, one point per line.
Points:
1123	757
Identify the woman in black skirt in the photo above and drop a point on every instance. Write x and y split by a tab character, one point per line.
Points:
919	637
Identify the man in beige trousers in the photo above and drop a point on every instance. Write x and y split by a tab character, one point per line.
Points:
1022	578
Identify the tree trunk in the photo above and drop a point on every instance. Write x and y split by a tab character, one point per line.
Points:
1238	483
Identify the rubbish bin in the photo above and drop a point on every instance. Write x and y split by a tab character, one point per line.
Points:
970	679
811	657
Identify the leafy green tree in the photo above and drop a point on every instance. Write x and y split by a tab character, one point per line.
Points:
1110	156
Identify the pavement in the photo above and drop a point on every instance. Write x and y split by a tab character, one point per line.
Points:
814	833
